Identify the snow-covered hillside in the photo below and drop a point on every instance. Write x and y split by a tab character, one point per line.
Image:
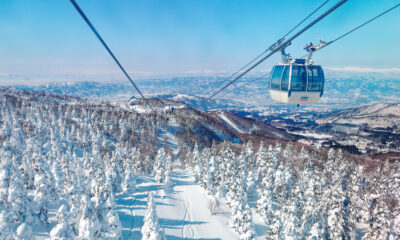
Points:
74	168
381	115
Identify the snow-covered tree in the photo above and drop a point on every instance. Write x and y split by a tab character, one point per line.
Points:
129	182
6	227
89	225
159	165
20	203
23	232
380	226
168	179
63	230
151	228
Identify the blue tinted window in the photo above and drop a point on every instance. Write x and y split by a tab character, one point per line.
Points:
299	78
276	77
285	78
315	78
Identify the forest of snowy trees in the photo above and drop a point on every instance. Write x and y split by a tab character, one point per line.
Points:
77	157
300	194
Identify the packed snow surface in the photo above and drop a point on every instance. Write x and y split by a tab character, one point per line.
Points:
233	125
183	212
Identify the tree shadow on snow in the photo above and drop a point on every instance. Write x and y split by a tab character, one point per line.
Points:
180	182
129	223
261	230
173	223
148	188
170	237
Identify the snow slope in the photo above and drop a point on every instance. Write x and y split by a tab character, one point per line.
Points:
183	212
230	123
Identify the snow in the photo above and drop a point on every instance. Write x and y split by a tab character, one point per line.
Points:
227	120
311	134
183	212
140	108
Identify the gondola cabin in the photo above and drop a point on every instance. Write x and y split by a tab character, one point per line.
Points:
297	82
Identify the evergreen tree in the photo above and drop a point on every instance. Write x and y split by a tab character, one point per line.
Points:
19	201
23	232
380	225
159	165
63	229
6	228
168	178
209	178
89	225
151	229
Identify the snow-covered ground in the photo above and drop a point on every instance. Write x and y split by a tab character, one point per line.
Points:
230	123
183	212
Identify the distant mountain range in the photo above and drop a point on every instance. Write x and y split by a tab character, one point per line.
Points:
340	93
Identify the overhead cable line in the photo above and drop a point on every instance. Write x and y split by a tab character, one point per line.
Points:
254	80
108	50
362	25
281	46
358	27
309	15
274	44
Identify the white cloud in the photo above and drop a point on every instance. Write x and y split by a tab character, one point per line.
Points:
364	70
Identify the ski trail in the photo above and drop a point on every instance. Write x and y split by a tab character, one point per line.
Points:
189	230
233	125
132	203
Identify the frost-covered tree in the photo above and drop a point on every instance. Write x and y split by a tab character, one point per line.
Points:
334	196
159	166
129	182
111	226
89	225
63	230
5	178
311	218
151	228
210	177
220	180
241	219
197	163
380	226
168	177
251	184
6	227
19	201
23	232
247	230
42	195
290	221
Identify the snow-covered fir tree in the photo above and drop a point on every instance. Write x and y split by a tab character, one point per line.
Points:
151	229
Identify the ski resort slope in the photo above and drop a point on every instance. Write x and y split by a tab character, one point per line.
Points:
183	212
227	120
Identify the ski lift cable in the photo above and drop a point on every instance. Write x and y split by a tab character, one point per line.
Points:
362	25
358	27
252	81
302	21
281	46
108	50
274	44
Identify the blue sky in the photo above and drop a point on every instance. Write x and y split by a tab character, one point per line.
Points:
180	36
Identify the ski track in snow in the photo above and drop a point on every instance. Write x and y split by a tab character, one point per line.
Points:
233	125
183	212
